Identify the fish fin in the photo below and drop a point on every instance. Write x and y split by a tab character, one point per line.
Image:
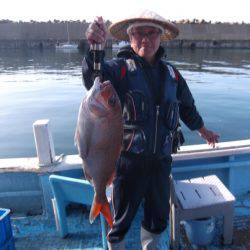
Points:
82	130
76	137
95	210
105	210
87	176
111	179
82	148
98	208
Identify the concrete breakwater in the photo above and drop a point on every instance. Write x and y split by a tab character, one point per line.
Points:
192	35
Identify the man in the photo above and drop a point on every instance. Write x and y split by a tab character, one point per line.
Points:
153	95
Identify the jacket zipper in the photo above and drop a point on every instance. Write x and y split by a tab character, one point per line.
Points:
156	127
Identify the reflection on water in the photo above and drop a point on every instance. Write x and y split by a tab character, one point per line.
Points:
48	84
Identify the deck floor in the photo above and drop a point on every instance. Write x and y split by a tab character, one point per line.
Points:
36	232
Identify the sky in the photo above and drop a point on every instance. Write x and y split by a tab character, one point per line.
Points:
113	10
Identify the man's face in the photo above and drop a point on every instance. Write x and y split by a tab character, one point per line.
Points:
145	41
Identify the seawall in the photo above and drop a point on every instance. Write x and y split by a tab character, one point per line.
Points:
192	35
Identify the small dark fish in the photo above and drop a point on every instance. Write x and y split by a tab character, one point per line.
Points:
98	137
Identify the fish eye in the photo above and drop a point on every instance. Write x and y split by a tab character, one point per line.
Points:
112	101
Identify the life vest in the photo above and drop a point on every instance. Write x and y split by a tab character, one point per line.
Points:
148	123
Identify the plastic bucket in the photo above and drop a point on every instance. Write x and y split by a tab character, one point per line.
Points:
200	232
5	226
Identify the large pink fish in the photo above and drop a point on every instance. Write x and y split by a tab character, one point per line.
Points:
98	137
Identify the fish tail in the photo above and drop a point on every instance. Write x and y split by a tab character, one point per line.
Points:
98	208
106	212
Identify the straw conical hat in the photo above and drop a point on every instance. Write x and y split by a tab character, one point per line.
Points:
119	29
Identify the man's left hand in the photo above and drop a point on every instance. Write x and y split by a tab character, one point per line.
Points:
209	136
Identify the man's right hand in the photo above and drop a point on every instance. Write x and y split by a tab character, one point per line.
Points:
96	32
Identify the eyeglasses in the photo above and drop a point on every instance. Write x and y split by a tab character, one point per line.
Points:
150	35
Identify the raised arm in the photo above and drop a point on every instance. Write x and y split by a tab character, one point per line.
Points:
111	70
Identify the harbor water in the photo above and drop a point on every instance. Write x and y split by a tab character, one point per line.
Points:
48	85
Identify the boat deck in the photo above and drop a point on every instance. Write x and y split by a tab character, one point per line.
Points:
26	187
36	232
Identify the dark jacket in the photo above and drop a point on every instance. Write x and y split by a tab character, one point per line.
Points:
153	99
